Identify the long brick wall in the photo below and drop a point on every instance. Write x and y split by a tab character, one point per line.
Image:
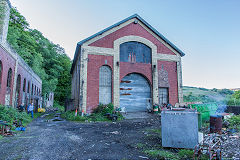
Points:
13	61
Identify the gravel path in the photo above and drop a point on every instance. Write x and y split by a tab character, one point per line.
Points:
56	140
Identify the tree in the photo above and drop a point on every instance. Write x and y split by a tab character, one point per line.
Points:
48	60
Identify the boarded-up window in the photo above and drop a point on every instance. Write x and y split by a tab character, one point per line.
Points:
163	95
105	85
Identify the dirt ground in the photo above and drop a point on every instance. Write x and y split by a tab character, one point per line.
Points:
48	140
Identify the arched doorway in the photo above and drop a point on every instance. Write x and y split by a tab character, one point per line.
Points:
135	93
18	87
105	85
8	89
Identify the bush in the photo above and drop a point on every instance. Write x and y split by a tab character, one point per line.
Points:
103	109
97	115
60	107
234	122
10	114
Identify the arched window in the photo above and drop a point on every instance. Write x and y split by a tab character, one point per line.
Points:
135	52
9	78
18	88
32	89
0	73
28	89
24	85
105	85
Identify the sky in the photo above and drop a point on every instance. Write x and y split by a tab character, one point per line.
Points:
207	31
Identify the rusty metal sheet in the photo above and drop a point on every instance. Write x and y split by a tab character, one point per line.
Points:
105	85
135	95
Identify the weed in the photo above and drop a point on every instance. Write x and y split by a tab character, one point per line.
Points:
162	154
185	154
1	137
140	145
157	131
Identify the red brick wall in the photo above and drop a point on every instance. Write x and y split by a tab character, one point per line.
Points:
144	69
94	64
131	29
9	62
171	68
96	61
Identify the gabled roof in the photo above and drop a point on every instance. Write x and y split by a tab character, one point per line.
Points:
119	23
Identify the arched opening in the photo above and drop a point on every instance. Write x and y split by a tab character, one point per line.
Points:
135	52
9	78
32	89
8	89
135	93
28	88
24	85
24	92
0	74
105	85
18	87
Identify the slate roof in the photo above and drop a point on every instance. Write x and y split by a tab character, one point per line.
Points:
117	24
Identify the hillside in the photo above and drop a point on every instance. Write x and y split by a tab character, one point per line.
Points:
195	94
48	60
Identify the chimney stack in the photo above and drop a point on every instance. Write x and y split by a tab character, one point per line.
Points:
5	7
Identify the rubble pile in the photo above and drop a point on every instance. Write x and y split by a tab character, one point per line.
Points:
231	145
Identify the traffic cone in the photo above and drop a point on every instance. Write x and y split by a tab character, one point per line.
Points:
76	112
82	112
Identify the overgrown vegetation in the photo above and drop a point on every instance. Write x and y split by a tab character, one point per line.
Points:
160	154
234	122
99	114
156	151
47	59
234	100
9	114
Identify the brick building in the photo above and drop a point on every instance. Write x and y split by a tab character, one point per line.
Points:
18	83
129	64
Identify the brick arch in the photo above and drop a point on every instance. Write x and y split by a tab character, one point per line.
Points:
142	74
18	91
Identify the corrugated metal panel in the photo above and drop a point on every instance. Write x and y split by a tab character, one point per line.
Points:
135	93
105	85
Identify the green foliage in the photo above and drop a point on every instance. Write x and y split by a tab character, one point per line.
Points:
97	115
58	106
162	154
234	122
9	114
47	59
103	109
237	95
234	100
185	154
